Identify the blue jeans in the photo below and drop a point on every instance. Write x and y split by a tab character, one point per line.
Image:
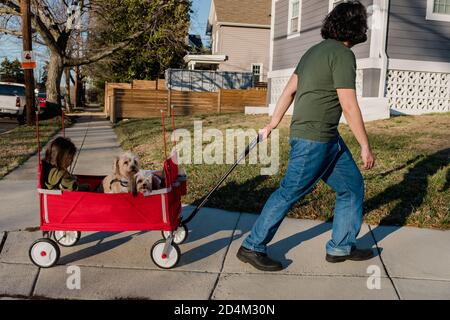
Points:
310	161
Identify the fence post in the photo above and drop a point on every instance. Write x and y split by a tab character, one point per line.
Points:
219	101
169	101
112	107
105	102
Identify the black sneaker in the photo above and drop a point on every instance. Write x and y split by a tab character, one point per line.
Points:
259	260
355	255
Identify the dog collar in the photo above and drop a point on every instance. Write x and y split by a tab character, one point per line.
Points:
123	183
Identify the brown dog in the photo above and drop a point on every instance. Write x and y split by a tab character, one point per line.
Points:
122	179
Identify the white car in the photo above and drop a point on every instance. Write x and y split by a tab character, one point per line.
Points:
12	100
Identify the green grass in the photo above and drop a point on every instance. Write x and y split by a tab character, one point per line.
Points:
20	144
408	186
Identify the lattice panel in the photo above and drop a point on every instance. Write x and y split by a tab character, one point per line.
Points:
359	82
418	92
278	84
276	88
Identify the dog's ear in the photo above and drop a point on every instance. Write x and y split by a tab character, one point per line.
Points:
156	182
133	185
116	165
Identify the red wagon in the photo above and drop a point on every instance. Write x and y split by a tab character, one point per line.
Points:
65	211
61	212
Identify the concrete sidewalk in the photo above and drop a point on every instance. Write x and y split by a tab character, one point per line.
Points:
412	263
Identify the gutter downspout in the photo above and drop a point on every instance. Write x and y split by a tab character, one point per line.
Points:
384	8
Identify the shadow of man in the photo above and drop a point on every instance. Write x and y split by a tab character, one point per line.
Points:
410	193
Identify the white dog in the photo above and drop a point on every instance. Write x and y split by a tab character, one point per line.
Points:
122	179
146	181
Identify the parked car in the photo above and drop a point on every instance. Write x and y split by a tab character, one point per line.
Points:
41	101
12	100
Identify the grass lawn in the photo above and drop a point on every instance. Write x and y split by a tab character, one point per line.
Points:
20	144
408	186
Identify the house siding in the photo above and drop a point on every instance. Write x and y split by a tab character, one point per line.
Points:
412	37
244	46
287	52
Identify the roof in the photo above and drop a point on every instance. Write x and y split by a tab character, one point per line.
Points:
205	58
256	12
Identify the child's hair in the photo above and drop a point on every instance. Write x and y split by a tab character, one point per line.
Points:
59	151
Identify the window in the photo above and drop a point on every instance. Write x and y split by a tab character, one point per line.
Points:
334	3
257	72
295	9
441	6
11	90
438	10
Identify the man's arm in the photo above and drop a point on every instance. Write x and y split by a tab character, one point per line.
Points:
282	106
352	113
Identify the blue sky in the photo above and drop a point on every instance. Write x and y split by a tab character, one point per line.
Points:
199	18
11	47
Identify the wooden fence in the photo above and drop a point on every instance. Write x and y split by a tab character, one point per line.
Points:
148	103
136	84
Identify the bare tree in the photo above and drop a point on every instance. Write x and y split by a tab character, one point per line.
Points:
56	24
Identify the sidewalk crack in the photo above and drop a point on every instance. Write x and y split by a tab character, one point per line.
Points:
2	243
225	257
33	287
384	265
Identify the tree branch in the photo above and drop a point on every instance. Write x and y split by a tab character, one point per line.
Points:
14	33
72	61
7	10
40	26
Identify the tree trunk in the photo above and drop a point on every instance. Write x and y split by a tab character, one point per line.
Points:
55	71
67	95
76	87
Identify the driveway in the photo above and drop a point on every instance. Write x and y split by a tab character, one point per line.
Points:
7	124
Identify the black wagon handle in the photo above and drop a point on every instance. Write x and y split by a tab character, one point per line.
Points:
248	148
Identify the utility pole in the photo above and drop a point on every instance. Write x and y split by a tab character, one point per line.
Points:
27	46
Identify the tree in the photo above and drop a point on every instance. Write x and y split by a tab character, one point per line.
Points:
11	71
151	54
59	25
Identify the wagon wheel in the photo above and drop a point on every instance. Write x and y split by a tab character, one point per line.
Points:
67	238
179	236
165	261
44	253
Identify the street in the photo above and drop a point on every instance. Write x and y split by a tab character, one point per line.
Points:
7	124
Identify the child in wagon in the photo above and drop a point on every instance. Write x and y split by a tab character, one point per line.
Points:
58	158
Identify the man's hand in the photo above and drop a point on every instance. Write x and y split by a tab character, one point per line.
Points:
265	132
367	158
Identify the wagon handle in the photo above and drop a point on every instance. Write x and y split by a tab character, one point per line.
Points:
249	148
62	123
164	133
173	127
37	138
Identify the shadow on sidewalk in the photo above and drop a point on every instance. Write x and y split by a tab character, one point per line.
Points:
410	193
97	248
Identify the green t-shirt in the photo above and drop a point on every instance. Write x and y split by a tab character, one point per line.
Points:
325	67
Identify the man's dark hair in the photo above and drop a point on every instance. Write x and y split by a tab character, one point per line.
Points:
347	22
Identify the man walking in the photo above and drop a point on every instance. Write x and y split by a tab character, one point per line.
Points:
323	86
